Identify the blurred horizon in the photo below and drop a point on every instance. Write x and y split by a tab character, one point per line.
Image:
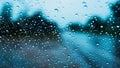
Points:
58	11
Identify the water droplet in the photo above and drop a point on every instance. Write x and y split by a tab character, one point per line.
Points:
101	26
97	44
76	14
118	26
56	9
84	4
7	3
63	18
17	6
107	63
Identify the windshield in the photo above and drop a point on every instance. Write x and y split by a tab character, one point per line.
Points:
59	34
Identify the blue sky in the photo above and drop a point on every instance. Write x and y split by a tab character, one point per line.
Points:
62	11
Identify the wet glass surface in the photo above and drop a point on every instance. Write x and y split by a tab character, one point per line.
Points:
59	34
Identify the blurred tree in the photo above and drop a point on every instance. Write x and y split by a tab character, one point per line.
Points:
38	26
116	10
6	12
6	25
116	18
95	25
77	27
116	27
32	26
